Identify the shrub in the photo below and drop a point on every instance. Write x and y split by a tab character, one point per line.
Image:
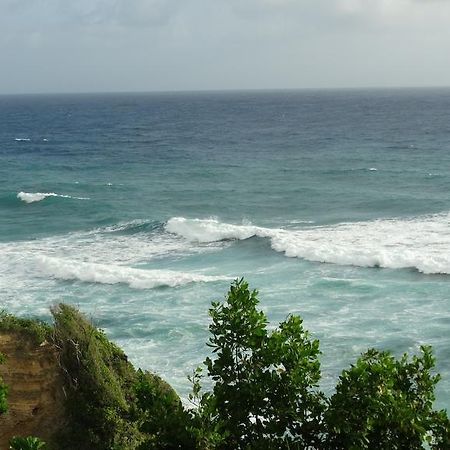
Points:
160	414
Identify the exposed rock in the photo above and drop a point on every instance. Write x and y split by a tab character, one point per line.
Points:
36	392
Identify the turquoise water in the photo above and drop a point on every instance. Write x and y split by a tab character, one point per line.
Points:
140	210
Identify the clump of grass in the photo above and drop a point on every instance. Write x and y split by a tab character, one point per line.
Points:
38	330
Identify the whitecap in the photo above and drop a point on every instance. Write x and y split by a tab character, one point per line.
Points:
422	243
63	269
31	197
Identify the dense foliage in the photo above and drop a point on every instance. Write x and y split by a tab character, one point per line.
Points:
265	394
111	405
262	391
388	402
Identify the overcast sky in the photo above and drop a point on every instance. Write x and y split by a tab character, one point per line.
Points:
152	45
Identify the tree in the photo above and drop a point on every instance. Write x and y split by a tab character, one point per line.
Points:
264	393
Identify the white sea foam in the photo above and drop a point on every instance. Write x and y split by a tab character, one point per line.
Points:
112	274
422	243
211	230
31	197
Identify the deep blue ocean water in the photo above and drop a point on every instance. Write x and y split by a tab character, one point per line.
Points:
141	208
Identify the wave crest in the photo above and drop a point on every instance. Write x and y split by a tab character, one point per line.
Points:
31	197
422	243
110	274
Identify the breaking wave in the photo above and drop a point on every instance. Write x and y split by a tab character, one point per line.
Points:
422	243
112	274
31	197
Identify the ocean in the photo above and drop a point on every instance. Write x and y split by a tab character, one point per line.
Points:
140	209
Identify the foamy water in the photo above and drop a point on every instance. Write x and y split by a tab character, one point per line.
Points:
421	243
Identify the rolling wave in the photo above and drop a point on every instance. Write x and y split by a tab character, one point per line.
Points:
31	197
422	243
112	274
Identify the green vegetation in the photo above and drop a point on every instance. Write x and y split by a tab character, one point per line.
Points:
26	443
3	390
111	405
37	330
263	391
388	402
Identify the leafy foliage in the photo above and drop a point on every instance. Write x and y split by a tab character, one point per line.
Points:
3	390
387	403
26	443
264	393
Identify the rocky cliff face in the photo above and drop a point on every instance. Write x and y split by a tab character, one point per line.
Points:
36	393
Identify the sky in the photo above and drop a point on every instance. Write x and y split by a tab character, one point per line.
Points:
164	45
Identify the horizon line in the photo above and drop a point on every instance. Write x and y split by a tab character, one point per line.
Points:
225	90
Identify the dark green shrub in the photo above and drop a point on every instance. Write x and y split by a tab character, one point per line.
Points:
26	443
382	402
264	393
160	414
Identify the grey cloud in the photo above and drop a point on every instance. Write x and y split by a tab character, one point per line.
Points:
89	45
90	12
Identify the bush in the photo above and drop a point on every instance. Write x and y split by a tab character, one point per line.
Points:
160	414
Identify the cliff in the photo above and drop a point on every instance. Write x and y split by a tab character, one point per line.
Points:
36	389
76	390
